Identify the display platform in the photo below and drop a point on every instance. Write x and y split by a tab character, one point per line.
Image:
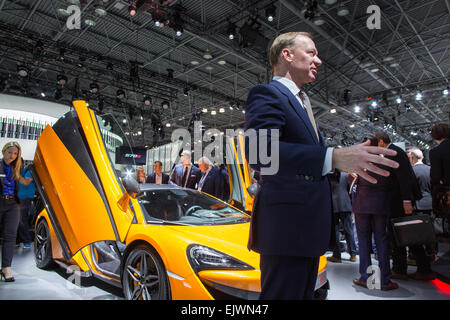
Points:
36	284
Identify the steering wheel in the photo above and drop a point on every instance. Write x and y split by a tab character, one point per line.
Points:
192	209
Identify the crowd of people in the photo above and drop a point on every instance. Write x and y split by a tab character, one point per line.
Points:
208	177
367	208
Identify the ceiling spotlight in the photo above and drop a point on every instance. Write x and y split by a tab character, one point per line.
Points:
94	87
179	31
177	24
61	79
231	31
330	2
168	125
394	64
333	110
195	62
99	9
419	96
445	92
357	109
165	105
204	110
222	110
222	62
62	10
342	10
318	20
132	8
398	100
213	112
120	94
207	55
89	21
374	104
22	71
147	100
270	13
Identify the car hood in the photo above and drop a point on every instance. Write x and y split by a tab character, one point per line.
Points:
230	239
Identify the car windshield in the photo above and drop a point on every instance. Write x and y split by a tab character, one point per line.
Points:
187	207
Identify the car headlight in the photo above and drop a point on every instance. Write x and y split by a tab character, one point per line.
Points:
204	258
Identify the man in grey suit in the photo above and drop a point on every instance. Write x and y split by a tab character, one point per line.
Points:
424	205
422	172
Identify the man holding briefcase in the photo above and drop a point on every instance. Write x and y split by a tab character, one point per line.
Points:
404	191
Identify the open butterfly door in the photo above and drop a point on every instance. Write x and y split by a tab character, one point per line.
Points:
77	182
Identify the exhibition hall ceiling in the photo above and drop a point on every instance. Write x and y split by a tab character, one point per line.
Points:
385	63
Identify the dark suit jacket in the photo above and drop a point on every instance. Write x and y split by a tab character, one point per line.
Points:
372	198
151	178
401	182
292	211
440	163
422	172
339	192
176	176
213	183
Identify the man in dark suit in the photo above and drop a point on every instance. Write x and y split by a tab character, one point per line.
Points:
211	181
291	217
440	156
401	185
157	177
424	205
185	174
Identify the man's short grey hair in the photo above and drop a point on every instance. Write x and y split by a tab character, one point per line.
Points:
205	160
186	153
416	153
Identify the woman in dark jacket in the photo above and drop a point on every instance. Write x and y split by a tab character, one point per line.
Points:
9	203
371	209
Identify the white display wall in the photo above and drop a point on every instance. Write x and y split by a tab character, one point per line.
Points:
23	119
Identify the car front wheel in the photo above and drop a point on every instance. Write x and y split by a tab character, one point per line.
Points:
144	276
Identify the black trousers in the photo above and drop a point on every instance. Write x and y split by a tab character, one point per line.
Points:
288	277
10	217
23	234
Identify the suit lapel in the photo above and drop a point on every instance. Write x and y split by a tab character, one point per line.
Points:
298	108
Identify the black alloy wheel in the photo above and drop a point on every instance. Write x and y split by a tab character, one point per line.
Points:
144	276
43	245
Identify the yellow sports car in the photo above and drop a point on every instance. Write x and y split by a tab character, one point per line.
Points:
154	241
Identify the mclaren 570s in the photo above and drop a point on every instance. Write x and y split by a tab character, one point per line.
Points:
153	241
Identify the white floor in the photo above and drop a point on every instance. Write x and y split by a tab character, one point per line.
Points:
32	283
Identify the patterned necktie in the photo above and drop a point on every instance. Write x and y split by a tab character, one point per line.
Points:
307	105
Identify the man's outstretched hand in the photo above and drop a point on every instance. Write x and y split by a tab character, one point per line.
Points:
360	159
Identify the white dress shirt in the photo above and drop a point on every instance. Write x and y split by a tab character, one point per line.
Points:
327	165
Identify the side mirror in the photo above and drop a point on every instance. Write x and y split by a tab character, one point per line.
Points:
132	188
253	189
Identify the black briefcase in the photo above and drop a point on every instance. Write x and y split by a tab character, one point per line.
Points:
412	230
